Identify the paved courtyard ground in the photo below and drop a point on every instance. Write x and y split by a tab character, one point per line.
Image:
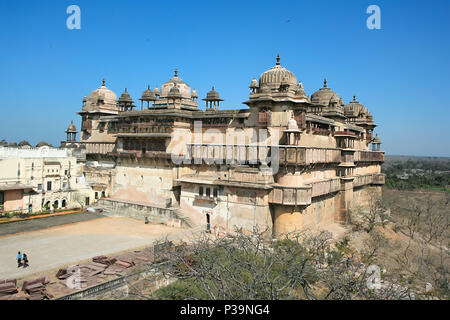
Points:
68	244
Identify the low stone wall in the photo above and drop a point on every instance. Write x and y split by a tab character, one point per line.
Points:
138	210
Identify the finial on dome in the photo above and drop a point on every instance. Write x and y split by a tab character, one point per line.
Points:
278	59
103	82
212	88
325	82
176	73
354	98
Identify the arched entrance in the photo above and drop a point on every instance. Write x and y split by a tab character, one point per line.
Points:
63	203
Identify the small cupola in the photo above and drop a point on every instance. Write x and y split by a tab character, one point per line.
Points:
125	102
212	100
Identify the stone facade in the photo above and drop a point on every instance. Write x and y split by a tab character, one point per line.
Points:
287	162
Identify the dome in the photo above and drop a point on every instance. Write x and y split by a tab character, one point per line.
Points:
104	93
148	95
183	87
300	91
254	84
276	76
356	110
377	139
24	143
174	92
42	144
100	96
71	128
125	97
324	95
3	143
13	144
212	95
292	124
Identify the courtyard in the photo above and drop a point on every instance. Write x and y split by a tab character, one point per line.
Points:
67	244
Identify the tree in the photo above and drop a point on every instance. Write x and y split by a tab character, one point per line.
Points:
79	198
251	266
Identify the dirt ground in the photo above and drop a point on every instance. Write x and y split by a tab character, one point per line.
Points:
64	245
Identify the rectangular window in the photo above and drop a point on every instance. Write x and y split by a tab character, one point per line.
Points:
215	192
96	195
39	187
200	191
49	186
208	192
65	172
64	185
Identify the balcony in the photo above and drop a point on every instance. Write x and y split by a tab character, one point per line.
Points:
205	198
371	178
142	155
321	188
347	157
248	154
302	196
98	147
345	134
369	156
320	131
379	179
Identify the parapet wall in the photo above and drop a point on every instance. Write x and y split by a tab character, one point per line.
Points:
138	210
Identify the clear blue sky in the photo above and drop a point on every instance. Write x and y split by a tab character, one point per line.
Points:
401	72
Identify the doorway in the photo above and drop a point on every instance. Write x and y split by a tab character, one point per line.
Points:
208	222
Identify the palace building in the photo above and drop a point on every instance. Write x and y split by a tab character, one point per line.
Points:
287	161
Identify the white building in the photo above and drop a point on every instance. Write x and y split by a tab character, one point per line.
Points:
37	179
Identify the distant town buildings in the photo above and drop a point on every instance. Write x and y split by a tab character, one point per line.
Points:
34	179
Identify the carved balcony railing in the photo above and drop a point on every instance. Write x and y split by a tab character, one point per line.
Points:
301	196
321	188
143	155
379	178
248	154
345	134
369	156
98	147
371	178
347	157
205	198
307	155
321	131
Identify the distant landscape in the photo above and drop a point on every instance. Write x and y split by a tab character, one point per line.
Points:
411	172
